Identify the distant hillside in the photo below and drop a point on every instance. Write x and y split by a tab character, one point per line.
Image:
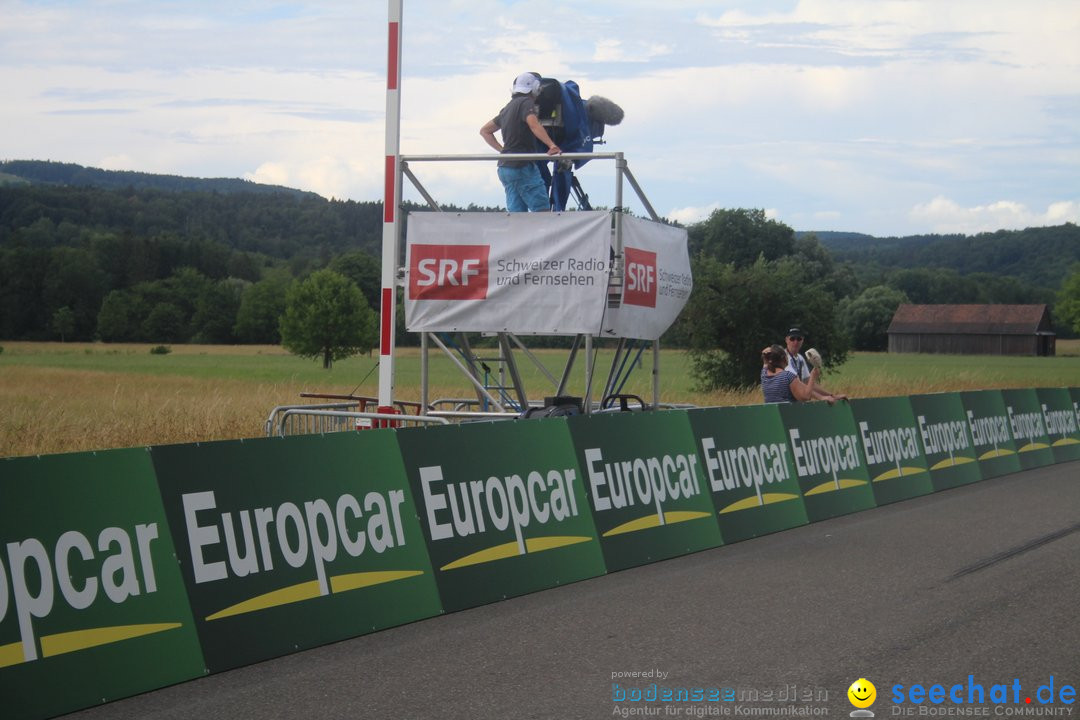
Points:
1039	256
126	256
839	240
45	172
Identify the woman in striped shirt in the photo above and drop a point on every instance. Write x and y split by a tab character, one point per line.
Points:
781	385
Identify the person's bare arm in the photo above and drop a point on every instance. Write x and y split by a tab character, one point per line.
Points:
820	393
488	133
804	391
541	134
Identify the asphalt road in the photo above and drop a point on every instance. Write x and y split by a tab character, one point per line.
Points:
979	581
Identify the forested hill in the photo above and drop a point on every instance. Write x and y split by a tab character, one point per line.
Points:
1035	256
15	172
41	209
125	257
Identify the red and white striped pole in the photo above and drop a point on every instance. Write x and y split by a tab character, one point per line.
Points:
391	202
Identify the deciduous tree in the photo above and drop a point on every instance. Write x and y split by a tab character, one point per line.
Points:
1068	303
866	318
735	312
326	316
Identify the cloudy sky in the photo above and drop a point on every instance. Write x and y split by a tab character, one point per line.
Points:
888	117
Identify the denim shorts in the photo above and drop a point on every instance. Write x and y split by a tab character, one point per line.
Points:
525	189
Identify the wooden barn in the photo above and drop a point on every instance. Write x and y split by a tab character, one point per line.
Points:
972	330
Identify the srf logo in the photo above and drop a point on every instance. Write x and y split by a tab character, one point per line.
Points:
448	272
640	280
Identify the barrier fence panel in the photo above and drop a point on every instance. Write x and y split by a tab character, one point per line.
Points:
290	543
1062	422
894	454
828	459
216	555
89	585
647	487
1074	396
1028	427
946	440
989	424
749	469
503	508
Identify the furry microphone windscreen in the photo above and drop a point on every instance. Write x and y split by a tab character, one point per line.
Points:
603	110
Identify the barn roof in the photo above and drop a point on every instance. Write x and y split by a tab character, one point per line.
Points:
971	319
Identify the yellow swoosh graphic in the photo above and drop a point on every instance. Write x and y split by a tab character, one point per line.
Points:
651	521
902	472
284	596
75	640
1066	441
510	549
310	589
1034	446
11	654
752	502
958	460
830	486
1001	452
355	581
555	541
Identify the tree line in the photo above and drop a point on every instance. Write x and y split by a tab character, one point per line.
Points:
754	277
129	257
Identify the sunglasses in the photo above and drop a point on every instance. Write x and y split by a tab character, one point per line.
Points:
795	337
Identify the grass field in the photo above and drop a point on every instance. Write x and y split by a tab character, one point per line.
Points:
65	397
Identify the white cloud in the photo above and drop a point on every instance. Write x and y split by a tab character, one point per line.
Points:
270	173
691	215
943	215
840	112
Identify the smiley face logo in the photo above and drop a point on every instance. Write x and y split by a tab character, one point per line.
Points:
862	693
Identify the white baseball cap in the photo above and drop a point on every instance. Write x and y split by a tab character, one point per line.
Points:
526	83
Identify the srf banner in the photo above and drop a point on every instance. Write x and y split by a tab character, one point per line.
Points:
749	469
503	508
515	272
92	604
946	439
646	486
656	280
290	543
828	459
889	437
991	437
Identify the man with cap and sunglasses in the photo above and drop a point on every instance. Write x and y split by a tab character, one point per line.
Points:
798	365
521	128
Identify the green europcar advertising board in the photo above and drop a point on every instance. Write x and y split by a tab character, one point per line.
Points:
828	459
749	470
890	441
646	486
92	604
290	543
1074	394
1028	427
503	508
1062	426
988	422
946	439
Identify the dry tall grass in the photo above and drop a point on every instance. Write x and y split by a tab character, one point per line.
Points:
47	410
